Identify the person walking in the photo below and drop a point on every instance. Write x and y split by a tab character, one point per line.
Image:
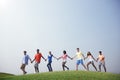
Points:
101	61
91	60
50	61
25	62
64	57
80	58
37	60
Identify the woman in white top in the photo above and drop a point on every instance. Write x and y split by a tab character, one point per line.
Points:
91	60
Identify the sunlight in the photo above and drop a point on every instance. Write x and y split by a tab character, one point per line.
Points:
3	4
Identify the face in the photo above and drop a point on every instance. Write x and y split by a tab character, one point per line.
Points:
37	50
77	49
25	52
50	52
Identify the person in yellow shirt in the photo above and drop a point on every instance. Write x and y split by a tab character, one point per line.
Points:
80	58
101	61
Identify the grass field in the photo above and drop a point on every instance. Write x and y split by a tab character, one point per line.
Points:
64	75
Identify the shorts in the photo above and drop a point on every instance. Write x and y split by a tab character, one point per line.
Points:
79	61
36	64
101	63
23	66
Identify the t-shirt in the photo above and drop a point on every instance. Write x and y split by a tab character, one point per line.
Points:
38	57
64	57
79	55
90	58
101	58
50	58
25	59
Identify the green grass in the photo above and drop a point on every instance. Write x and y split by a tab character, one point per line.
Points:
5	75
66	75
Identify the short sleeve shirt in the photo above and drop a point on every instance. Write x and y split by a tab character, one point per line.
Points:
38	57
25	59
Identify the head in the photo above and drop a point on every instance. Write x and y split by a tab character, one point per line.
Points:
25	52
64	52
100	52
88	54
77	49
37	50
50	52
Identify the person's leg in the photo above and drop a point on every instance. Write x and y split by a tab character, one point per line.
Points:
88	65
23	68
66	66
104	66
94	65
77	63
99	66
36	67
51	67
81	61
48	65
63	65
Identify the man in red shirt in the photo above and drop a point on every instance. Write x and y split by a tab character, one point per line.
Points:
37	60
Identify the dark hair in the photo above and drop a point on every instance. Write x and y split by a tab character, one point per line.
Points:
100	51
37	49
64	52
25	51
88	53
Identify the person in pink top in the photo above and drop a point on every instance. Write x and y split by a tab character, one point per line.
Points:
64	57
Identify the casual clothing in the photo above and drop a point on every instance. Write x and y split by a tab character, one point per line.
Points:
79	61
24	63
37	61
90	59
101	60
50	58
38	57
49	62
25	59
64	57
79	55
79	58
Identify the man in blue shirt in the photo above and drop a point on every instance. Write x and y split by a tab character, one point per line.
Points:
50	61
25	62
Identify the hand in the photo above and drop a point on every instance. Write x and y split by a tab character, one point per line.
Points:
45	59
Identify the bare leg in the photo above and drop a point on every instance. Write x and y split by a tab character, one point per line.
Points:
76	67
88	65
84	66
94	66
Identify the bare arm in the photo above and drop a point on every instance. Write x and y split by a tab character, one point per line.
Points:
54	56
83	56
69	57
43	58
86	57
94	58
74	57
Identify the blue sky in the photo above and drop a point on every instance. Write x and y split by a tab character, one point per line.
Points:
58	25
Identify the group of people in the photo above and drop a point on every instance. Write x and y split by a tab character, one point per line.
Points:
80	57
